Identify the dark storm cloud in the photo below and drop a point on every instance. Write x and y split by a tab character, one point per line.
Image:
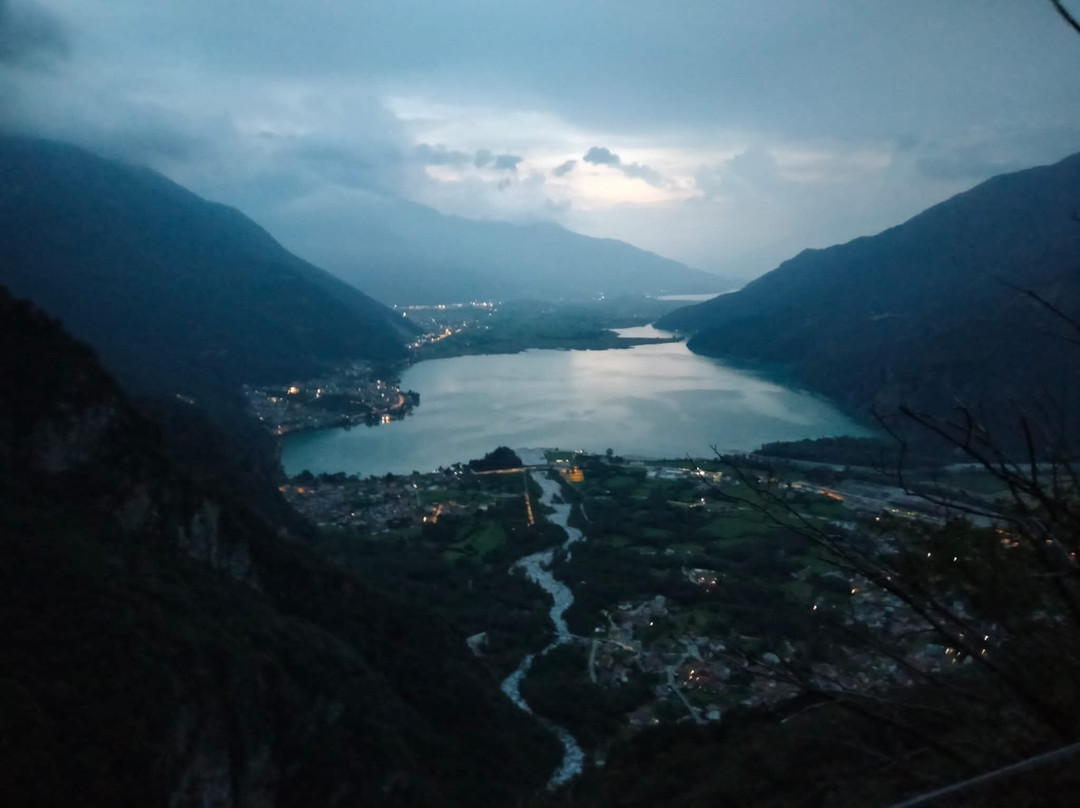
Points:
507	162
831	68
789	69
599	156
30	35
564	168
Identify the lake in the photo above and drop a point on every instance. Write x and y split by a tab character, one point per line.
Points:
646	401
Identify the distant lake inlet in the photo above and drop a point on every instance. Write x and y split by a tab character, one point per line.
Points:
656	400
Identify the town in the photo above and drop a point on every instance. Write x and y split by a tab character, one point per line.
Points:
350	395
691	599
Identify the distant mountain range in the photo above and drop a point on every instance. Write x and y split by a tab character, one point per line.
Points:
178	294
931	313
401	252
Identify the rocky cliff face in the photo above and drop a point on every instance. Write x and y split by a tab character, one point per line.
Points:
72	431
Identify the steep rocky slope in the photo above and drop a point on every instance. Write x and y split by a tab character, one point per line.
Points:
165	646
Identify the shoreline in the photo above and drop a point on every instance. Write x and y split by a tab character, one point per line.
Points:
615	343
412	397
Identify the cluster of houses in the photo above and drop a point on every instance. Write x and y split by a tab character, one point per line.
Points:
377	504
349	396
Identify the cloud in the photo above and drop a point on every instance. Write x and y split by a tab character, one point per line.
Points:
640	172
563	169
520	197
30	36
599	156
337	100
751	172
981	153
439	155
507	162
964	167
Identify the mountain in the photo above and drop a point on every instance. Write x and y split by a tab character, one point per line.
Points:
400	252
178	295
931	313
164	646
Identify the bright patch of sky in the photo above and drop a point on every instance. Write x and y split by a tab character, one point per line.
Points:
728	134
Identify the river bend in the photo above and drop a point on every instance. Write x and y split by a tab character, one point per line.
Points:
537	567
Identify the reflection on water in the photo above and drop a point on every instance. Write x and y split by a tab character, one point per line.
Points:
650	401
695	298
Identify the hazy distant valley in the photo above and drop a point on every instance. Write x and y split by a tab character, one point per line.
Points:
409	254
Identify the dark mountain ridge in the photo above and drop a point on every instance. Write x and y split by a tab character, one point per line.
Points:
931	313
179	295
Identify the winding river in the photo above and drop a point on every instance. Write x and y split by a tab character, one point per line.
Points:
537	567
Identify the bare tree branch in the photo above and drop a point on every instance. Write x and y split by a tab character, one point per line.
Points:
1066	15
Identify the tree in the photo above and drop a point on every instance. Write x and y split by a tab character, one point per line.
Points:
501	458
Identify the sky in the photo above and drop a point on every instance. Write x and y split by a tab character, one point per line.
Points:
728	134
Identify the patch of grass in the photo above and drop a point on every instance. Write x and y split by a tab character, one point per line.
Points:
556	455
622	483
437	495
824	508
482	538
978	482
739	525
800	590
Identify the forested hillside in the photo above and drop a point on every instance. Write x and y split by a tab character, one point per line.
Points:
178	295
165	646
931	313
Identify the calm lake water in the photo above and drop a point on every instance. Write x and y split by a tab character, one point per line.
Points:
647	401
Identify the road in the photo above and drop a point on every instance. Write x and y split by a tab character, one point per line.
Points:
675	689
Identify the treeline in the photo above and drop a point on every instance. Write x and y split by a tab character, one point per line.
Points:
874	453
